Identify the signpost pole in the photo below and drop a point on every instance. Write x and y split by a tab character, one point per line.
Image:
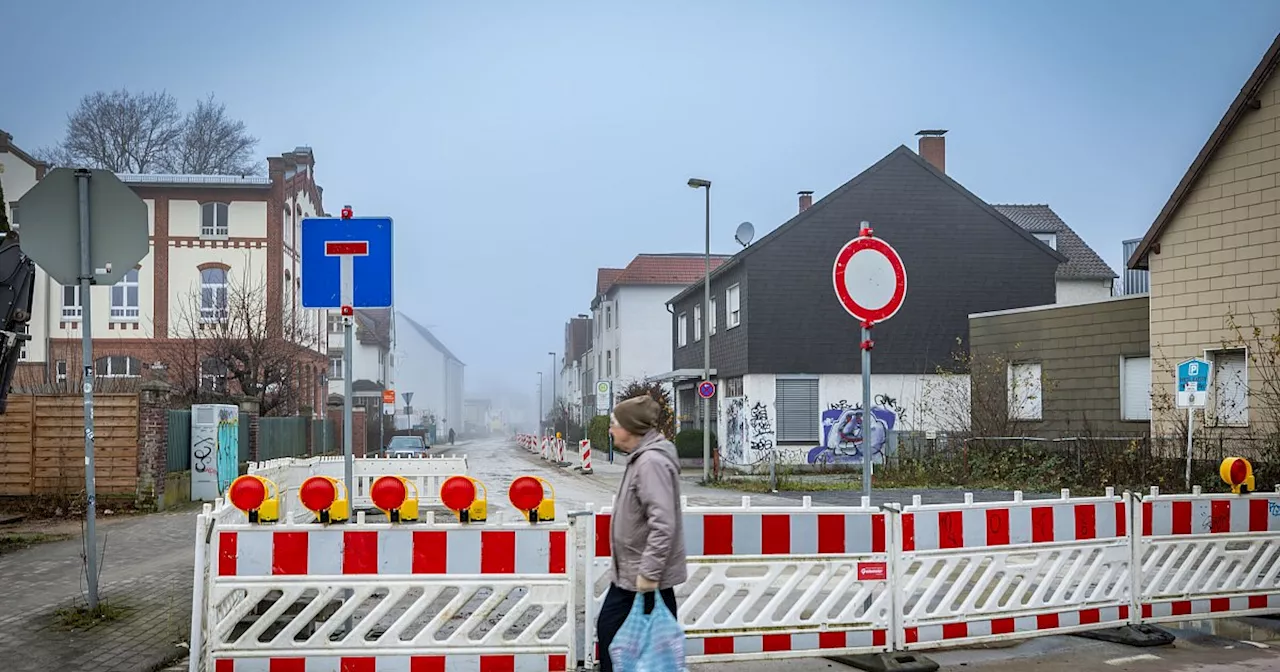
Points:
866	409
86	326
1191	417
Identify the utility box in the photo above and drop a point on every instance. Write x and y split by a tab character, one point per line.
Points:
215	449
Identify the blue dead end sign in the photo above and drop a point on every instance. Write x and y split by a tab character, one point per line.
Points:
706	389
348	262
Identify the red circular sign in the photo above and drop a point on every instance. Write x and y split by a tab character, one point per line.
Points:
869	279
388	492
317	493
525	493
1239	472
247	493
458	493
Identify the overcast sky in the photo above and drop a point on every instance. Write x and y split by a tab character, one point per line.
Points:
521	145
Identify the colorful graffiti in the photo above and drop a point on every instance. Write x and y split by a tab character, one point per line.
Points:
844	437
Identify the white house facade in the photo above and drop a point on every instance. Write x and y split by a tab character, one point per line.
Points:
433	374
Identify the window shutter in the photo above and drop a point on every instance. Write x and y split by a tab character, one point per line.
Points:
1231	388
1135	396
797	409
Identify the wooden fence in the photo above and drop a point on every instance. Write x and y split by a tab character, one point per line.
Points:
42	445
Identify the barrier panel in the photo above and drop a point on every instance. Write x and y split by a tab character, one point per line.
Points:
388	597
979	572
772	582
1208	555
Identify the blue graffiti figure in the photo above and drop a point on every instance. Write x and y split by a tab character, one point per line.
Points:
844	438
228	452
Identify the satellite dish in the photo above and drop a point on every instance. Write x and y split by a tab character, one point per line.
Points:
746	231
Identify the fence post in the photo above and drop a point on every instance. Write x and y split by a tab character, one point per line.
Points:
249	414
153	442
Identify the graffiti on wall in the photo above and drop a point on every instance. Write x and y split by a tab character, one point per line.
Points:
844	437
735	430
761	431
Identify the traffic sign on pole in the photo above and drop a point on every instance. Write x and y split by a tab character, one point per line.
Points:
1192	388
347	262
109	222
871	283
706	389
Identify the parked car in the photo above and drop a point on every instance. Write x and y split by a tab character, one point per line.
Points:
406	446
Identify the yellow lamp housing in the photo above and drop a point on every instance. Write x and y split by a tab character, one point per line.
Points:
336	510
269	512
1237	472
478	511
256	496
546	510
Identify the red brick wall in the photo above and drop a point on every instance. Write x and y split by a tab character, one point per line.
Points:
357	429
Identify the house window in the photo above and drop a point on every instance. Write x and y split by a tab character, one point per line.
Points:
1050	239
733	306
13	214
23	329
617	360
1230	387
213	295
1025	391
1135	388
118	366
335	324
124	298
799	419
213	376
608	363
213	220
335	366
711	316
71	302
697	323
682	330
60	370
608	317
733	387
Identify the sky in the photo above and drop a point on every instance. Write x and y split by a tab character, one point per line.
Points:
521	145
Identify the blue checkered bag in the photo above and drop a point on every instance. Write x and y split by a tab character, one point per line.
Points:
649	642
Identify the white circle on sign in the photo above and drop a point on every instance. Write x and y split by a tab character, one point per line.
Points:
869	278
602	387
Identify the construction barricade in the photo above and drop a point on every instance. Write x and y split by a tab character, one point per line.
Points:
427	473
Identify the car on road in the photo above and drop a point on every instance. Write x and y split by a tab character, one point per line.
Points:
406	446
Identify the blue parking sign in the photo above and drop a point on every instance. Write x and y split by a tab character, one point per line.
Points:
1194	372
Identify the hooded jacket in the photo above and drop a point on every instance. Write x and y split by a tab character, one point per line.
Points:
647	527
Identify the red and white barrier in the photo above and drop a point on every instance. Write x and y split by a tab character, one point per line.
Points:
584	450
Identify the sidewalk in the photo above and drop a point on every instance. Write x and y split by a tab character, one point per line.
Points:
146	575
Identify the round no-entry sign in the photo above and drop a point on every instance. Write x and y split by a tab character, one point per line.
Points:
707	389
870	279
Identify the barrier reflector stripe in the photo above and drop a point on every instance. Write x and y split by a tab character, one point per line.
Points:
1005	626
1032	522
748	533
1214	605
398	551
474	663
1203	515
805	641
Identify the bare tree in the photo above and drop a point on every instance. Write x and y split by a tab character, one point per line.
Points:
136	132
213	143
225	341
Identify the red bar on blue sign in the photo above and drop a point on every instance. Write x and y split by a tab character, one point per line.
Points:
340	248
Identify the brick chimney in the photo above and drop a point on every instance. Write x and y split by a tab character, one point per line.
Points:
933	148
806	200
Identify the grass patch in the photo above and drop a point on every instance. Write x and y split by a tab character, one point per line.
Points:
11	542
83	618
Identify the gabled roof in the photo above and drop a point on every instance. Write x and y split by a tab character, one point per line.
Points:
664	269
605	278
375	326
1082	262
901	151
429	337
6	145
1245	102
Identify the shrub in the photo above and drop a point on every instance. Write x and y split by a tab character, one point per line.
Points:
598	432
689	444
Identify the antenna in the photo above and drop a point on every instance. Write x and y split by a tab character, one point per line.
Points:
746	231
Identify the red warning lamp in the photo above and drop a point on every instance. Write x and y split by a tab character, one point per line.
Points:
346	212
391	495
526	494
460	495
1237	472
320	495
251	494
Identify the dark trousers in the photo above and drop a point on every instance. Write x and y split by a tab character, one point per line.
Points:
613	613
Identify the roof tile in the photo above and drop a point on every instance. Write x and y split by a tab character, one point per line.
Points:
664	269
1082	262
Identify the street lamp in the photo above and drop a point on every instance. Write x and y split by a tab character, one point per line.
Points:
553	393
696	183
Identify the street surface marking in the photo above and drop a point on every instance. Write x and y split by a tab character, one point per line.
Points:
1132	659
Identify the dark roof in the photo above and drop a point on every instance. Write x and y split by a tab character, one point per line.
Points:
1082	262
6	145
902	150
374	326
430	337
1245	102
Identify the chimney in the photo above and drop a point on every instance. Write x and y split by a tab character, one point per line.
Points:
806	200
933	148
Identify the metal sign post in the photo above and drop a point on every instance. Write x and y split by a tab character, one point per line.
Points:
350	267
1191	392
871	283
109	222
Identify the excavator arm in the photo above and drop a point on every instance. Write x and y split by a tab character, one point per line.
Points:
17	285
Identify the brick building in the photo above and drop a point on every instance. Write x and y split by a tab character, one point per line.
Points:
211	235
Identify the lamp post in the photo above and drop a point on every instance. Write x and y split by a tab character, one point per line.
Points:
696	183
539	402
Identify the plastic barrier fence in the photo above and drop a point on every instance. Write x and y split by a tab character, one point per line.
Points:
426	473
764	582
